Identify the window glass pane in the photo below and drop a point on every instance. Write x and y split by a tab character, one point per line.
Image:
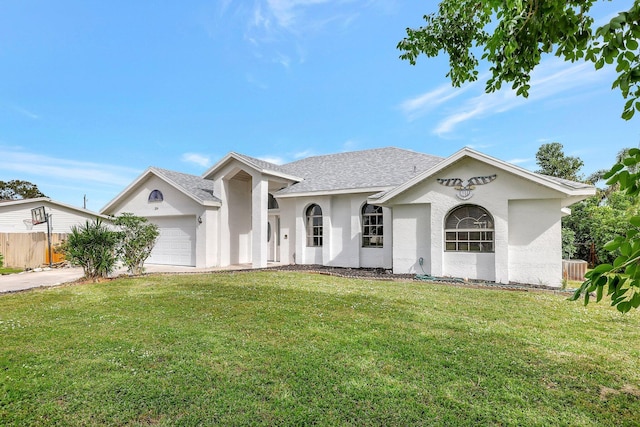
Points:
466	219
372	226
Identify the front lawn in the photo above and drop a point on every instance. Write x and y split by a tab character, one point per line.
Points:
282	348
8	270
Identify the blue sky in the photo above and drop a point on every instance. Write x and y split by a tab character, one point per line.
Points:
93	92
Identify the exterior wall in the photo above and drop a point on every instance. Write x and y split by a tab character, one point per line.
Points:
62	218
342	231
500	198
175	204
239	221
207	239
535	242
412	238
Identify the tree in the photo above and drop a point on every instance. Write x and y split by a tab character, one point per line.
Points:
93	247
17	189
620	278
553	162
137	237
514	35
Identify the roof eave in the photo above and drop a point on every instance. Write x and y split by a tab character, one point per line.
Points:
246	162
332	192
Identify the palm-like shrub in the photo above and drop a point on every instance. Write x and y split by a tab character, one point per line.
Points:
92	246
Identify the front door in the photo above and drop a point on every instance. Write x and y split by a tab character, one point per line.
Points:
273	238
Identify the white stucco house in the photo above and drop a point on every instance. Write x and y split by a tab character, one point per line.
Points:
15	216
468	215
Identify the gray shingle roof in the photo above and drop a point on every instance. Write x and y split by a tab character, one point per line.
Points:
571	184
261	164
381	167
196	186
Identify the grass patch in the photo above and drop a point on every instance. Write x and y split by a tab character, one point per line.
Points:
283	348
8	270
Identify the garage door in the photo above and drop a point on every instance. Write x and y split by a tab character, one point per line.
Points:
176	244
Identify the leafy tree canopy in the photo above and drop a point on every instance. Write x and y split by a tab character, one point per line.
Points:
553	162
513	35
17	189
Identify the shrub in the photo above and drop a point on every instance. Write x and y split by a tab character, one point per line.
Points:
92	246
1	261
137	236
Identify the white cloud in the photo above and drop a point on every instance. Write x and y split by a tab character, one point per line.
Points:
198	159
25	112
422	104
53	168
519	161
303	154
272	159
553	79
350	145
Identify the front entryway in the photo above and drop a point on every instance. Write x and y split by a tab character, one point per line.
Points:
273	238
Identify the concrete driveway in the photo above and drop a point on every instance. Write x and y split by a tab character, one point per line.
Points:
55	276
38	278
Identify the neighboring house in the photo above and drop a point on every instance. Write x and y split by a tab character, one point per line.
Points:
468	215
15	216
26	245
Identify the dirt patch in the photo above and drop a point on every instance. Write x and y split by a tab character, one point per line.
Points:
606	392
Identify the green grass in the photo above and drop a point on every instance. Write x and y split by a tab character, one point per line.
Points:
7	270
277	348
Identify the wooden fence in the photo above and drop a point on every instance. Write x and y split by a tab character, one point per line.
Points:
28	250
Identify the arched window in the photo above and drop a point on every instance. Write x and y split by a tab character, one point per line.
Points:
469	228
314	226
156	196
372	226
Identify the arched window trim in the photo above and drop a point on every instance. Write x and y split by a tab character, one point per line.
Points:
156	196
372	220
314	226
469	228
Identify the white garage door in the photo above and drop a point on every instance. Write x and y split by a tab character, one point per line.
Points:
176	244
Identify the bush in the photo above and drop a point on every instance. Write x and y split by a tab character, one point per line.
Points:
1	261
137	236
92	246
569	248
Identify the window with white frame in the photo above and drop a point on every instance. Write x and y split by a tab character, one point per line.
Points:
372	226
314	226
469	228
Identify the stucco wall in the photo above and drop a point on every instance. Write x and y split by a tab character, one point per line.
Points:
535	242
175	204
239	205
414	225
342	231
412	238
